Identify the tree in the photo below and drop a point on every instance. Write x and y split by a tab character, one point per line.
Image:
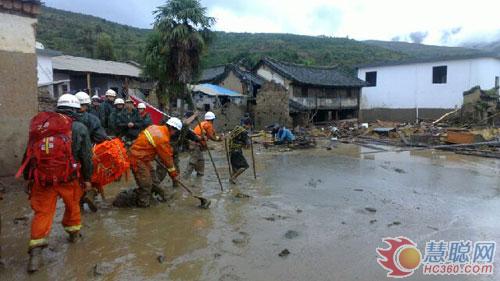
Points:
175	47
104	47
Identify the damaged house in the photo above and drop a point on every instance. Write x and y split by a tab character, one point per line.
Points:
234	78
320	93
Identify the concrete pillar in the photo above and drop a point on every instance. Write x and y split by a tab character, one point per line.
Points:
18	86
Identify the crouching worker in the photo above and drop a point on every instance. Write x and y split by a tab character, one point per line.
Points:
237	140
153	141
59	150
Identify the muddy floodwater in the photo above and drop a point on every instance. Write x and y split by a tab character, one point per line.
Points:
311	215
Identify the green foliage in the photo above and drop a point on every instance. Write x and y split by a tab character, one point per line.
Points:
76	34
104	47
173	51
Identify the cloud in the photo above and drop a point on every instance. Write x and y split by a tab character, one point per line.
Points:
359	19
418	36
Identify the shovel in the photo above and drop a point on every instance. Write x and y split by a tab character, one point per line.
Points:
204	203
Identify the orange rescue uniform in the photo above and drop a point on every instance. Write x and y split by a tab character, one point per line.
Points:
43	202
153	141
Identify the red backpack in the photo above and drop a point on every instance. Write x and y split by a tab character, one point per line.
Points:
49	157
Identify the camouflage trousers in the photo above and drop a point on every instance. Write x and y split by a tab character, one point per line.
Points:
196	162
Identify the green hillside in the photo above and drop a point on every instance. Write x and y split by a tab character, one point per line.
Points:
77	34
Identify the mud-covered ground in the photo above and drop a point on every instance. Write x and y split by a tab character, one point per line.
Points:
328	208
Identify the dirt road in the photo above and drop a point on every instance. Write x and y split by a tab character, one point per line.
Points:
328	209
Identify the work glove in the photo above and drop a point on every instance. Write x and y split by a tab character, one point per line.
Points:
173	173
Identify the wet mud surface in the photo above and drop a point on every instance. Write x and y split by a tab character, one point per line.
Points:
311	215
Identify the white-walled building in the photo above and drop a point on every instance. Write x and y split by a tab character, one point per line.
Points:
427	89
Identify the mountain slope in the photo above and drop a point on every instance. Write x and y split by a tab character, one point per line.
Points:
76	34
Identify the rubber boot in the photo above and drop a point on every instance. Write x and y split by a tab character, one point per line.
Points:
35	261
89	199
74	237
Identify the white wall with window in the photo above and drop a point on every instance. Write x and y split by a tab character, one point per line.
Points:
437	84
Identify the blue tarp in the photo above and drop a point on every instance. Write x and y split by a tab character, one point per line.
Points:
214	90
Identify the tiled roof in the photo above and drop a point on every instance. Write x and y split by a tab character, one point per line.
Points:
314	76
79	64
211	75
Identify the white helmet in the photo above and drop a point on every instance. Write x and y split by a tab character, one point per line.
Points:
96	97
209	116
141	106
68	100
83	98
119	101
175	122
110	93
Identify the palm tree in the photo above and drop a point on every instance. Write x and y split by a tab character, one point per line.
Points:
174	49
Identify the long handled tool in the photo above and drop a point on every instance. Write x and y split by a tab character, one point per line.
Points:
253	159
210	156
208	150
204	202
227	157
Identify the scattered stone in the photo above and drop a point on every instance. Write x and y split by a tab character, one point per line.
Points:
299	211
238	241
433	228
161	258
290	234
101	269
274	217
373	221
400	171
217	255
358	190
284	253
20	219
344	223
394	224
270	218
371	210
242	195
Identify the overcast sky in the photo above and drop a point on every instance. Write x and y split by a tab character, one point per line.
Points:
443	22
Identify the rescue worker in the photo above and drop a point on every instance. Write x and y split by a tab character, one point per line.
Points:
128	123
205	131
238	139
95	109
176	141
97	135
113	129
145	117
106	109
44	198
152	142
96	131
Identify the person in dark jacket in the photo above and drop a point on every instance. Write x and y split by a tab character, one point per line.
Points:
44	198
113	118
128	123
97	132
95	108
106	109
144	115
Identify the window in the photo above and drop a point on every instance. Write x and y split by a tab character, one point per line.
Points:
439	74
371	78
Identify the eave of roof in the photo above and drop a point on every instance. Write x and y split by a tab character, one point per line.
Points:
86	65
312	75
430	60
